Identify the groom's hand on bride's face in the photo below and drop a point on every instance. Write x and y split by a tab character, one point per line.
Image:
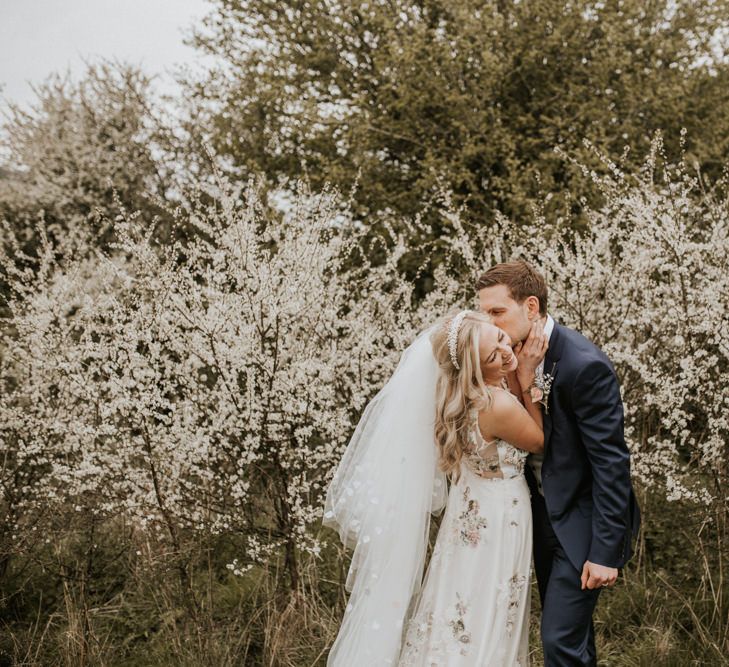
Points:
596	576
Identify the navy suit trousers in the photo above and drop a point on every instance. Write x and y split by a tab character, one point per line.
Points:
568	635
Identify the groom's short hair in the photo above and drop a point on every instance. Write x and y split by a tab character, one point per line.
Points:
521	279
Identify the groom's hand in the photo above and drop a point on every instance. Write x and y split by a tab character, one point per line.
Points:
596	576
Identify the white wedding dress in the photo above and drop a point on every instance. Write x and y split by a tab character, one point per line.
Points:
473	607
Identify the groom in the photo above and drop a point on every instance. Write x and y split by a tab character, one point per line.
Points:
583	504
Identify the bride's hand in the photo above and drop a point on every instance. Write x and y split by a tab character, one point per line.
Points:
530	353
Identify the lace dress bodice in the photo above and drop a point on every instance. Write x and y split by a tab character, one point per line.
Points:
496	459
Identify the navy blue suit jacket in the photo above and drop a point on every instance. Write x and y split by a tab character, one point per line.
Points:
586	470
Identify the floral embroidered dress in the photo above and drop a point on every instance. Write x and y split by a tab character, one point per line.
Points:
473	607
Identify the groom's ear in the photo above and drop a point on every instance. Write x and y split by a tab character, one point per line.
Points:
532	304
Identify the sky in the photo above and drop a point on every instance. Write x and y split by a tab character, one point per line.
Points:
39	37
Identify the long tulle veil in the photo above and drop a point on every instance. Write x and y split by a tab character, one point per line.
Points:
380	501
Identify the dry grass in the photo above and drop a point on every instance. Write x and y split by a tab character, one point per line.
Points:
132	611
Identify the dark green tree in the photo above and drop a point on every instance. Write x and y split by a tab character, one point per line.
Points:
409	95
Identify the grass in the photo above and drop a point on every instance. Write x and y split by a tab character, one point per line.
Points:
129	610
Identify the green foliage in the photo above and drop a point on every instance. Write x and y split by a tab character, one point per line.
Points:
671	606
403	97
126	610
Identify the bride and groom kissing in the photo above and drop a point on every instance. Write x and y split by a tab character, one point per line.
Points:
511	424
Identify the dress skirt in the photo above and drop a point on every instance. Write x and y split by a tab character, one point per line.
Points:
473	607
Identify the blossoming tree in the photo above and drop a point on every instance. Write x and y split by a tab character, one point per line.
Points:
205	386
209	386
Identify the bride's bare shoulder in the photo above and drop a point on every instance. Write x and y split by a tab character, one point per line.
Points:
501	404
501	399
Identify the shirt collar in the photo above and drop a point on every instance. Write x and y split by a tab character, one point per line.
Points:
549	326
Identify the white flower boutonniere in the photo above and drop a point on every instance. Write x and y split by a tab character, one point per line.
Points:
540	388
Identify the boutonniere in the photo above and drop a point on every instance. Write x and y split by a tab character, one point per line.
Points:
541	386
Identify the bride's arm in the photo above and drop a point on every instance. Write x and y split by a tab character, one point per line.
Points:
524	397
507	419
533	409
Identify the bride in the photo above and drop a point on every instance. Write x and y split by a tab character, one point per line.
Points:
445	414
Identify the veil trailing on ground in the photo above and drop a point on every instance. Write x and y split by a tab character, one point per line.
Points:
379	501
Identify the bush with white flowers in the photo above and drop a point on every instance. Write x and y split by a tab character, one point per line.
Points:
205	386
212	384
648	281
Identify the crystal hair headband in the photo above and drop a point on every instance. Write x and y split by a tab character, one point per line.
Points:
455	325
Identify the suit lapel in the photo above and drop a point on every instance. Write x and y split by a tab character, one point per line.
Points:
554	352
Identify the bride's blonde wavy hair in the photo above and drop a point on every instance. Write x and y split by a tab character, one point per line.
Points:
457	391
